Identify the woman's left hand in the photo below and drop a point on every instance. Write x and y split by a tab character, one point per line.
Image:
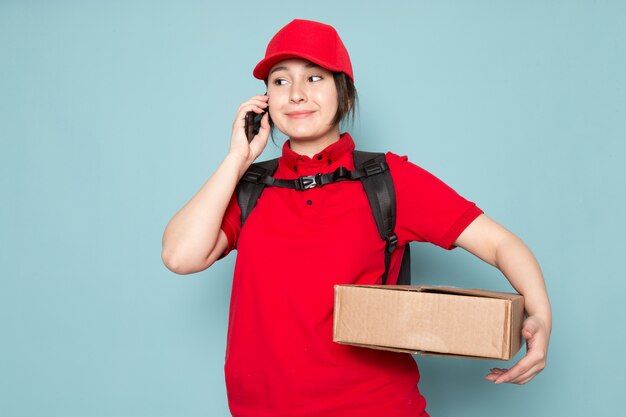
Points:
537	336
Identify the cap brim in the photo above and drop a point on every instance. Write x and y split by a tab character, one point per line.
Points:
262	70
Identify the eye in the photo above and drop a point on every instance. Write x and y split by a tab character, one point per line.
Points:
279	81
315	78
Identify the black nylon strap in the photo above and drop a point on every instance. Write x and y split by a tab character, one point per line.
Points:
255	175
404	277
248	192
382	198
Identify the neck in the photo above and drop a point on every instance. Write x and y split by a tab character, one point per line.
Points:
310	147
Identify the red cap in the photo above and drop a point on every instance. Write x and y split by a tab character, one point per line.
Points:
314	41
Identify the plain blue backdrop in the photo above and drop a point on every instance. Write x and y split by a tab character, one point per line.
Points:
113	114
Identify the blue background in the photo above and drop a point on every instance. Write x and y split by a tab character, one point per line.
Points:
113	114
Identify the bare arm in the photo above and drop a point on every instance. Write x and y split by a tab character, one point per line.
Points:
192	240
499	247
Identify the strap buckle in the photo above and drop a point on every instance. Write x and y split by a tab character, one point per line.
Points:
391	243
254	174
373	167
308	181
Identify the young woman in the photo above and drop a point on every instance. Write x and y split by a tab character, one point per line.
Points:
296	245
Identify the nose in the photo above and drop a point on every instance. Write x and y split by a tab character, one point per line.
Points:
297	94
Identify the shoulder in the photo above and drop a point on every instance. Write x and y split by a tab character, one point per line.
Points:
407	174
395	161
400	166
402	169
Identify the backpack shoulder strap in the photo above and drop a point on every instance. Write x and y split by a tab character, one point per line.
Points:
381	195
378	186
250	188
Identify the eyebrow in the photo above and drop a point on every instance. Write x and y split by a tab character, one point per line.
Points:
309	65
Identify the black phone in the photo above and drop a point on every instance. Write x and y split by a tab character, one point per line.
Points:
253	124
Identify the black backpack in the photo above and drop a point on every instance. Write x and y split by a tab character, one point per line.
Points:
373	172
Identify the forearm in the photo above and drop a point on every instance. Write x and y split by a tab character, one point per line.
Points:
191	235
521	268
499	247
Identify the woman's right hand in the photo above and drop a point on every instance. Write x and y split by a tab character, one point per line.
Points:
239	145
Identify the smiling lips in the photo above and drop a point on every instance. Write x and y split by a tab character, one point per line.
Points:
300	114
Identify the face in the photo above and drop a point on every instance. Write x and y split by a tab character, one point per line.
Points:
303	100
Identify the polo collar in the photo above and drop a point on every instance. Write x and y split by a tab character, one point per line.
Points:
333	152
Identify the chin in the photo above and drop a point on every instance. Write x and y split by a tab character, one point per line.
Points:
302	134
305	134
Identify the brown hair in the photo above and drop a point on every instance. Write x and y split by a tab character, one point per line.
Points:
346	97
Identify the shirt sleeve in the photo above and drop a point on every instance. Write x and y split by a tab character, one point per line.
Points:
427	209
231	224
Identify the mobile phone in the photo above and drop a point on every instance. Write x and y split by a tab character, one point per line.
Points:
253	124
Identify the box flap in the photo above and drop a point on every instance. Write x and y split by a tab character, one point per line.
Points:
436	289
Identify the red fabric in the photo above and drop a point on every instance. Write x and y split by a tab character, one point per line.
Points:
314	41
295	246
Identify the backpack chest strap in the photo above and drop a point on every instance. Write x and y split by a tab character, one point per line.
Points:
306	182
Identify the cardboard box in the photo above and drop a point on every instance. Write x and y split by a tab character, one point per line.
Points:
429	320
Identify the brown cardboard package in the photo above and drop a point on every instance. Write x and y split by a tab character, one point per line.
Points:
429	320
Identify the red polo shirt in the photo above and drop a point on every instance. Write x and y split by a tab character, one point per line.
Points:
295	246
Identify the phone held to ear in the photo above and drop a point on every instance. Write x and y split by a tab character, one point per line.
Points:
253	124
